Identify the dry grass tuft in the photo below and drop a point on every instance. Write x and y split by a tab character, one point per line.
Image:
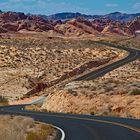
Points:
3	101
23	128
42	134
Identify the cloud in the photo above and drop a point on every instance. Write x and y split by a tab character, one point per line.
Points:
40	6
111	5
20	5
136	6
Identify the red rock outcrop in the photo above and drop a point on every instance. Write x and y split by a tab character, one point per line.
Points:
135	25
12	16
16	22
79	70
10	26
2	30
12	21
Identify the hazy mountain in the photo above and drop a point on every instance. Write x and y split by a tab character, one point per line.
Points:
121	16
113	16
67	15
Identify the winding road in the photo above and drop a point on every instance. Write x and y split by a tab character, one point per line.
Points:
132	55
88	127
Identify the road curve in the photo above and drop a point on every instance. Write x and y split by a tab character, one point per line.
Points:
87	127
132	55
84	127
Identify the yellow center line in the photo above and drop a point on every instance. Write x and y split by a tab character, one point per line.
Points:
111	67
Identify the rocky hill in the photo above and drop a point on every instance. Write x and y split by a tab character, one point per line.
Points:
69	15
81	26
19	22
135	24
117	16
12	21
115	94
122	17
27	65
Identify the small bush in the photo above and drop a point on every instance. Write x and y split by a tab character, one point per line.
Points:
48	129
135	92
14	127
32	136
33	107
42	134
3	101
92	113
112	114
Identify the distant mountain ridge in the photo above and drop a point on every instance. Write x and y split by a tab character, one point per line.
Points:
123	17
115	16
69	15
70	25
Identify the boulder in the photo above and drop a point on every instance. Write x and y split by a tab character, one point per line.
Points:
10	26
2	30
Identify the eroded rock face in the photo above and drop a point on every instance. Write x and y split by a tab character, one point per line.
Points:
12	21
72	102
12	16
45	65
135	25
2	30
115	94
10	26
80	26
16	22
22	25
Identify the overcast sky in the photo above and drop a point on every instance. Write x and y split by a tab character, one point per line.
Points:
48	7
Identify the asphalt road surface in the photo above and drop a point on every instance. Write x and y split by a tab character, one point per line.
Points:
87	127
132	55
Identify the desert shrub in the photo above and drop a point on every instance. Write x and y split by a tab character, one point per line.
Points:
24	122
48	129
26	96
135	92
42	134
32	136
107	89
121	92
33	107
14	127
112	114
72	92
92	113
3	101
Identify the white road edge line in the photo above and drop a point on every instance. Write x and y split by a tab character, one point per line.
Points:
62	132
